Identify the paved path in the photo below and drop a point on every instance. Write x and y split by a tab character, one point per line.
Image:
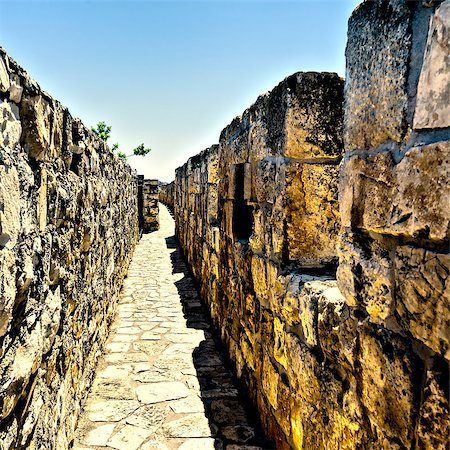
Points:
162	383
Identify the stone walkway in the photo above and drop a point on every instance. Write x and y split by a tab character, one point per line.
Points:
162	383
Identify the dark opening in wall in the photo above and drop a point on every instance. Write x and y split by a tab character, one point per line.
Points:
76	158
242	212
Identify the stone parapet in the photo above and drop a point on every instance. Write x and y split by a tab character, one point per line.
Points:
150	205
68	227
394	199
254	214
361	361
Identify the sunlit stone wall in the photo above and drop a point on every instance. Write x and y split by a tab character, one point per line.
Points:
258	219
361	362
68	226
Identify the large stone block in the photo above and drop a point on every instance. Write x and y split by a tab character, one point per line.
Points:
377	55
36	115
312	214
11	128
422	279
433	91
433	430
314	115
364	275
389	374
409	198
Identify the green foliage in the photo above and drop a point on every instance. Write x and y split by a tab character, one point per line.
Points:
140	150
102	130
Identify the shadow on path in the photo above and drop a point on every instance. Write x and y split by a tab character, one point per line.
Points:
233	422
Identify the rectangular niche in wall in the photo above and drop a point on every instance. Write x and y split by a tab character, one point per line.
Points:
242	212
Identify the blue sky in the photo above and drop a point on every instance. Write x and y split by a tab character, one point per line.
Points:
170	73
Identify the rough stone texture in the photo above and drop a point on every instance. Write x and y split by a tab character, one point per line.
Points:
394	199
251	214
150	205
433	92
376	81
68	226
172	388
365	365
166	195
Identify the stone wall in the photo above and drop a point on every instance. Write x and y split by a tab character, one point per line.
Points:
258	219
68	226
166	195
395	196
361	362
150	205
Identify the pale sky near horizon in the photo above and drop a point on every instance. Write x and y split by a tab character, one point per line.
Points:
173	73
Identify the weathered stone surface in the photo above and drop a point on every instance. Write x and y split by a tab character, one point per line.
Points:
309	132
129	438
11	127
433	431
394	196
193	425
111	410
364	275
312	214
4	77
150	207
423	296
433	91
68	225
377	54
388	384
160	392
409	198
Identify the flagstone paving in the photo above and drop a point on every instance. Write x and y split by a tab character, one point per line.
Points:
162	382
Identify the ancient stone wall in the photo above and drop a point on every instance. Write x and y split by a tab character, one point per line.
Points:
150	205
258	219
361	362
68	226
166	195
395	197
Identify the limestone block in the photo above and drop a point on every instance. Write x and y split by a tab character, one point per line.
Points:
423	296
312	214
36	116
50	318
10	128
213	203
388	369
16	89
337	330
302	370
279	351
4	77
410	198
314	115
7	288
377	55
9	207
270	380
364	275
433	91
20	362
433	431
264	181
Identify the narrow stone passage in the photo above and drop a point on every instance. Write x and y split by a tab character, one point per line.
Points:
162	383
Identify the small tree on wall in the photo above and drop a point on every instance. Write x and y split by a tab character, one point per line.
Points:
103	131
